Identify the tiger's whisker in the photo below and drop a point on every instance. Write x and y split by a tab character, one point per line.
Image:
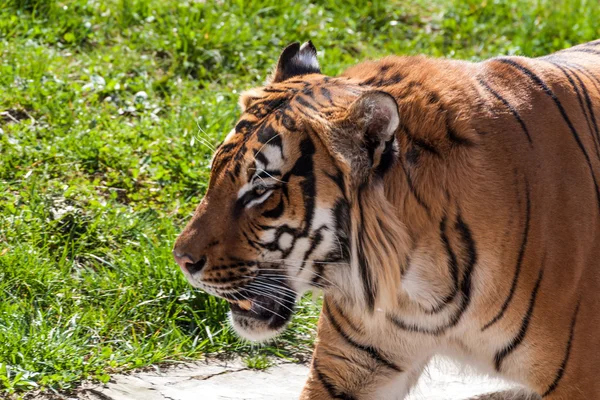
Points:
308	261
258	293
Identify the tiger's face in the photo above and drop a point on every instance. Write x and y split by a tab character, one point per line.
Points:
275	220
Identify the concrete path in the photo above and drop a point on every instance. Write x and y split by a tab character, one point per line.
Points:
233	381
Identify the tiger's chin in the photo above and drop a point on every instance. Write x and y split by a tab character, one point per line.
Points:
260	318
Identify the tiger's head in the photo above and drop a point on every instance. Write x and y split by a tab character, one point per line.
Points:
279	215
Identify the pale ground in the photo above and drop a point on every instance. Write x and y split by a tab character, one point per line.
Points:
233	381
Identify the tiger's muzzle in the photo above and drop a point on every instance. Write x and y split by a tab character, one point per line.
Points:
261	306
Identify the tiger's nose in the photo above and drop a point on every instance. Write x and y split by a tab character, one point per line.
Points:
188	263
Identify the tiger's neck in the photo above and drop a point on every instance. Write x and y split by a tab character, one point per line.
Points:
404	221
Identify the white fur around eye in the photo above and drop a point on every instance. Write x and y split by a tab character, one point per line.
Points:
261	199
245	189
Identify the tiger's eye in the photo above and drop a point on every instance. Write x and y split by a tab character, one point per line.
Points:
260	190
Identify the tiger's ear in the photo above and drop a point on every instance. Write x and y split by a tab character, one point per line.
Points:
372	119
296	60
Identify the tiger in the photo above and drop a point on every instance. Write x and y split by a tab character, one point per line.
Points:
442	207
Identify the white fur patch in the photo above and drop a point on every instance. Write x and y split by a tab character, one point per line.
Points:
307	59
230	135
256	334
295	258
322	217
273	155
268	235
260	200
244	189
285	241
420	289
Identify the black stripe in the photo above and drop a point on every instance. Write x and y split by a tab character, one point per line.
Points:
271	90
453	136
274	245
412	155
338	179
226	148
333	392
221	158
371	351
387	158
587	73
240	203
308	91
353	325
538	81
303	112
304	167
510	107
341	214
413	189
384	68
425	145
262	227
577	92
369	284
579	50
407	260
326	107
563	365
261	157
300	100
286	120
595	80
513	286
232	177
267	173
433	98
592	43
251	242
345	360
298	82
268	135
275	212
253	230
471	249
379	81
327	94
452	267
265	107
244	126
316	240
518	339
590	108
365	273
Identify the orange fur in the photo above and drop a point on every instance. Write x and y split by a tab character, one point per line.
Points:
471	230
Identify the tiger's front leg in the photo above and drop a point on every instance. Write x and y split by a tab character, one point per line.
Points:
347	366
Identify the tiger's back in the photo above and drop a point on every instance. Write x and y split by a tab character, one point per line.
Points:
553	285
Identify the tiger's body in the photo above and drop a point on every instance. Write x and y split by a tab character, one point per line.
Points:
444	207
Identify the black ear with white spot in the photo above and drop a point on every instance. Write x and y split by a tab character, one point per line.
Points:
296	60
375	118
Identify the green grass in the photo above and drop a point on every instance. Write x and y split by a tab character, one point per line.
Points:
109	111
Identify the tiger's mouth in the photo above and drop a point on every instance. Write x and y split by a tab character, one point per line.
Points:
260	317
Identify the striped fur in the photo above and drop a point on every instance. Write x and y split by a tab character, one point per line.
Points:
444	207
